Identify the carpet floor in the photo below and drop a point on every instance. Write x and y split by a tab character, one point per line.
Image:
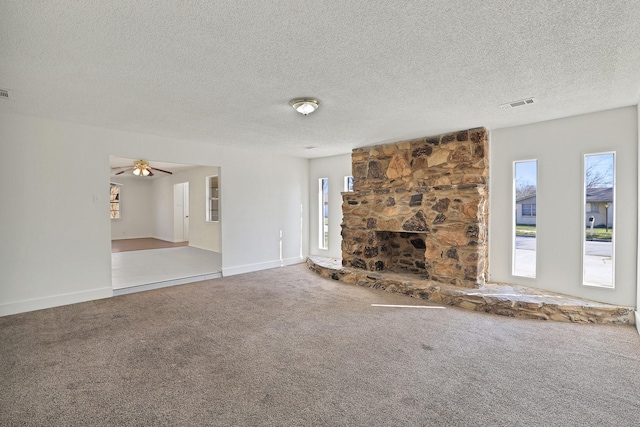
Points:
285	347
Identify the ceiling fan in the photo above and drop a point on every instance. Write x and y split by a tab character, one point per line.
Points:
140	168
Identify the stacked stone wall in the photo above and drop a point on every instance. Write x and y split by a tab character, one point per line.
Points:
420	206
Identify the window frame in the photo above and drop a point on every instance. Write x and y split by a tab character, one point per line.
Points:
514	219
348	184
210	199
584	223
118	201
323	213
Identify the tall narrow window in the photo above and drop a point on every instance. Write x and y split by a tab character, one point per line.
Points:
114	200
599	200
324	213
348	183
525	186
213	211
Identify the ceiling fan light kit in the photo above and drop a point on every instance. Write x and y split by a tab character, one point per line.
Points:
142	168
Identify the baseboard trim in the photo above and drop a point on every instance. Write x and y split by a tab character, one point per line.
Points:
202	247
165	284
131	237
250	268
54	301
638	321
294	260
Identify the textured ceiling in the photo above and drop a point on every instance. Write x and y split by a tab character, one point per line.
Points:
222	72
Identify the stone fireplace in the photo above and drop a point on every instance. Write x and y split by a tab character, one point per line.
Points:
420	207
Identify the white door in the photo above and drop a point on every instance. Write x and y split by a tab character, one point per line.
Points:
185	211
181	212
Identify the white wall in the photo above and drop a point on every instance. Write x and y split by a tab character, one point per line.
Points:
559	147
335	168
135	209
202	234
261	194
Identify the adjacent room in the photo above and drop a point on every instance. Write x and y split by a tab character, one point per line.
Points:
165	224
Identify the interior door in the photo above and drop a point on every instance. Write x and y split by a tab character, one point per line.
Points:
181	212
185	211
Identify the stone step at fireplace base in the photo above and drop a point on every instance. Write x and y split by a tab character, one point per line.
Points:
502	299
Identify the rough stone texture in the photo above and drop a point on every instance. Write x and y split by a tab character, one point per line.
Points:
501	299
431	189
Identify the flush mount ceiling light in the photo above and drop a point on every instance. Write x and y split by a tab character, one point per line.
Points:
305	106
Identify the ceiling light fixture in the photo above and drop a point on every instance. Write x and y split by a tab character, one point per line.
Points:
305	106
141	168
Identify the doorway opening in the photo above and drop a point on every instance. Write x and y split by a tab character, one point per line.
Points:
161	237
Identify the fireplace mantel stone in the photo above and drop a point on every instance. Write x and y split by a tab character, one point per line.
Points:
434	188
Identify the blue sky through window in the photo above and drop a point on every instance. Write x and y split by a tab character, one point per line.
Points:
599	170
527	173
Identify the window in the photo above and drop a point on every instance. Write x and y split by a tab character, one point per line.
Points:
528	210
114	199
324	213
348	183
213	208
525	188
598	267
592	207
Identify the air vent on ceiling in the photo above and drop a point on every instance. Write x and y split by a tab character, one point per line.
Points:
5	94
519	103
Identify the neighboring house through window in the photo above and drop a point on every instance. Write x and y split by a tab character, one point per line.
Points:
591	207
598	204
526	210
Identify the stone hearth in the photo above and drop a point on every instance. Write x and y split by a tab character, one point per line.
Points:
496	298
420	207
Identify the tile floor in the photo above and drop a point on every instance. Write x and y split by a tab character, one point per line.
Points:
155	268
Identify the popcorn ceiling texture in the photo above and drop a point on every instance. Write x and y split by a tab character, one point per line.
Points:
420	207
223	72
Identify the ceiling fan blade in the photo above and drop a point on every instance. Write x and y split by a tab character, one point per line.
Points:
120	167
123	171
150	173
161	170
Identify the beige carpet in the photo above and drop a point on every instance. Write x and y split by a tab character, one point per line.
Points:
286	347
